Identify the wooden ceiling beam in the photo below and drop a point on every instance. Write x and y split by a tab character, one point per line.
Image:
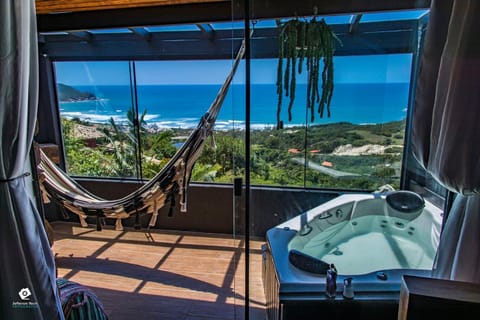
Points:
82	35
142	33
354	22
63	6
135	17
207	30
370	38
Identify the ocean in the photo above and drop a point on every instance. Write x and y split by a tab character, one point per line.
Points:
181	106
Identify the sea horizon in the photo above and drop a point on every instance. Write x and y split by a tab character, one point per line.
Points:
181	106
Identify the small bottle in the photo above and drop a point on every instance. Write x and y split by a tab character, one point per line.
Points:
348	288
331	282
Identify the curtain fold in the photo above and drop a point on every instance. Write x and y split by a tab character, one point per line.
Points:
459	258
27	270
446	129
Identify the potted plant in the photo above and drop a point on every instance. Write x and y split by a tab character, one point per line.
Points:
311	44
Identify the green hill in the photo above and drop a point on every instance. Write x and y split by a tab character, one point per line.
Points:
68	93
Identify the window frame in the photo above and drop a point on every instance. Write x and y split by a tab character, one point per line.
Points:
68	47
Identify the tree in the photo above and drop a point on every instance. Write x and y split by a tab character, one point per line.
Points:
125	145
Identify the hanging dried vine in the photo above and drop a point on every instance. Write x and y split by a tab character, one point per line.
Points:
313	41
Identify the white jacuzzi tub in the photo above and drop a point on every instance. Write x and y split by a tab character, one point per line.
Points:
372	238
361	234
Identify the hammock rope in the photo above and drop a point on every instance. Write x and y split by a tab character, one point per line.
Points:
171	181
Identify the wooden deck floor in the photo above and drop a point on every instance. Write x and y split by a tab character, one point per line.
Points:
161	274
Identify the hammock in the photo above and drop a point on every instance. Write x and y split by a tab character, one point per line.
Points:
171	181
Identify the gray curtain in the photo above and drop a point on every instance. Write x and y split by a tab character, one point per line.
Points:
27	271
446	129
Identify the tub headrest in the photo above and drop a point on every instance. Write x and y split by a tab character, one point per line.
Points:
405	201
307	263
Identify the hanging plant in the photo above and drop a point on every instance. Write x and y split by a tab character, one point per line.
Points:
312	42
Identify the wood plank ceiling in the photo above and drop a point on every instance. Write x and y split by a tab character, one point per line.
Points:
61	6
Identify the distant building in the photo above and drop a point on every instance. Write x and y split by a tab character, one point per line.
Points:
327	164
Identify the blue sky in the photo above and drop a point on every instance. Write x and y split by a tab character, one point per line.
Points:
358	69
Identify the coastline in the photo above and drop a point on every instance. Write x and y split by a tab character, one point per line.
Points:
93	131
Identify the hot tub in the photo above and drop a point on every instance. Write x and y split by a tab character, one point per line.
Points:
372	238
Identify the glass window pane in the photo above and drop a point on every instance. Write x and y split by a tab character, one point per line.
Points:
95	102
110	31
361	145
180	27
393	16
175	95
97	105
